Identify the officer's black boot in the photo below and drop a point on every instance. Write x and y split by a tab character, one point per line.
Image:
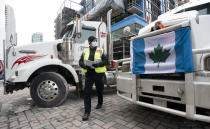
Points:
98	106
85	116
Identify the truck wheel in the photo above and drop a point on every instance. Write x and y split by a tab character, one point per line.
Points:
49	89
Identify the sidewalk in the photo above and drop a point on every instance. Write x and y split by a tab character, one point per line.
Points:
115	114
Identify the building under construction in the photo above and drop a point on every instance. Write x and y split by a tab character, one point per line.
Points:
65	15
133	13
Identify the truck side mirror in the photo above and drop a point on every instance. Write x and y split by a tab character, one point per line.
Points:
78	28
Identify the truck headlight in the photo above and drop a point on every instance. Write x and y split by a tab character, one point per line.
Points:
207	63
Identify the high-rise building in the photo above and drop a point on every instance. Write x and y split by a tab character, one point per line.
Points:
37	37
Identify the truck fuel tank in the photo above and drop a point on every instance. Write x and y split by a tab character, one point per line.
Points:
66	50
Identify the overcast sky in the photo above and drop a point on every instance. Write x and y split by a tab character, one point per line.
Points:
35	16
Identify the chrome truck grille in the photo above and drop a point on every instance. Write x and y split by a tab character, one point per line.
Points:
162	86
172	76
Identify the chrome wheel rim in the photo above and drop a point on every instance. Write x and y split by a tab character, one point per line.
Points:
47	90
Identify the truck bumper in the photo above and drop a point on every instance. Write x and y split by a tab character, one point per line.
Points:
192	94
167	110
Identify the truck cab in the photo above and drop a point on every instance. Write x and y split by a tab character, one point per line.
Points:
47	68
36	66
80	41
184	94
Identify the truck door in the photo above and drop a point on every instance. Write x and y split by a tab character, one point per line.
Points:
124	77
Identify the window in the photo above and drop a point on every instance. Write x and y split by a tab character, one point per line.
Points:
153	9
202	9
86	33
121	42
120	17
94	3
169	5
118	34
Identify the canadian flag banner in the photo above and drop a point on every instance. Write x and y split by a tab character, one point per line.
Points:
165	53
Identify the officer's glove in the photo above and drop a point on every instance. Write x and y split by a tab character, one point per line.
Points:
88	67
96	65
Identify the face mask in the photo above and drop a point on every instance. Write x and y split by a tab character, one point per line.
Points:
94	44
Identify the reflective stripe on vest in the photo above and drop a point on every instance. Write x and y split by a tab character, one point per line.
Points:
97	59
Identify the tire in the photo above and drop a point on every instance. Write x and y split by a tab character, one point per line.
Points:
52	84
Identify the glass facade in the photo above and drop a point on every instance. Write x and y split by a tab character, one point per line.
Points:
121	42
118	34
120	17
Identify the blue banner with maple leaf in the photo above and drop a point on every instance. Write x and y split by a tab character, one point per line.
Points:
165	53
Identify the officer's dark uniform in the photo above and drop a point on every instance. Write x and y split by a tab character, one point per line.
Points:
92	77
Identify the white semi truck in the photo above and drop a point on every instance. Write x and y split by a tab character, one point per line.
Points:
185	94
47	68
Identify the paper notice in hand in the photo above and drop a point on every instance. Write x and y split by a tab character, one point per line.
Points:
89	63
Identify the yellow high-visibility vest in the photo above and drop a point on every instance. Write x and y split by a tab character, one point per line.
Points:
97	58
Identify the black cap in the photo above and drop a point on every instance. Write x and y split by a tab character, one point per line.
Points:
91	39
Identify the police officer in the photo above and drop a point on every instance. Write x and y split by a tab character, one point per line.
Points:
93	74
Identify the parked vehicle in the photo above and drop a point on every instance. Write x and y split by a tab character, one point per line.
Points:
47	68
183	93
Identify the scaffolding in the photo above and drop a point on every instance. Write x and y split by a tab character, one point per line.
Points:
65	14
100	8
134	7
121	48
169	5
154	8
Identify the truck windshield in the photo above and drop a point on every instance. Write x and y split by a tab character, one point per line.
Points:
203	9
86	32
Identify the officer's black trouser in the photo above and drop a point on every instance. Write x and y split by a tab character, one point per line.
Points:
90	79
